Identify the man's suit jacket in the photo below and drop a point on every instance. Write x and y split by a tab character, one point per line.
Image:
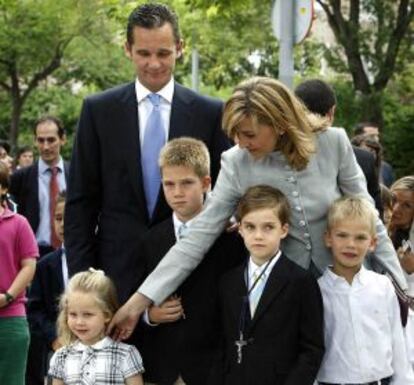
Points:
106	212
286	342
44	293
367	163
24	188
187	347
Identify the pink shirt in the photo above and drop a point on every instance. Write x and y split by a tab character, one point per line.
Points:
17	242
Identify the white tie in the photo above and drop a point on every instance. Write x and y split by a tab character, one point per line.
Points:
182	229
256	294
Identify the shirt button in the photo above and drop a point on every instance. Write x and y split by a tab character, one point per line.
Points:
306	235
295	194
308	246
298	208
302	223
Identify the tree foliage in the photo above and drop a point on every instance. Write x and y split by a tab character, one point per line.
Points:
39	37
374	42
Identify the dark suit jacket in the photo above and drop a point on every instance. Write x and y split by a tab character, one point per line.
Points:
24	188
187	347
106	212
367	163
286	333
44	292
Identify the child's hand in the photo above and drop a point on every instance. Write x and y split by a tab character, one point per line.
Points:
170	310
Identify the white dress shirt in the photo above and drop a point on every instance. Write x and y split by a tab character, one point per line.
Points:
145	107
43	232
363	333
254	272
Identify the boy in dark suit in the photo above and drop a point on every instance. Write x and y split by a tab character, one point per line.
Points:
181	336
48	284
271	308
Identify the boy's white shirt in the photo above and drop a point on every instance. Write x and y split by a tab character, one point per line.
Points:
363	333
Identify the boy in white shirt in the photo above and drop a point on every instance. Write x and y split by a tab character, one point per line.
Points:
363	333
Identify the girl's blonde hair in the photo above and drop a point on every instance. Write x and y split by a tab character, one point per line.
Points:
93	282
268	101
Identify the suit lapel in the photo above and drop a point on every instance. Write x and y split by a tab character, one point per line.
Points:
275	283
130	125
181	114
237	293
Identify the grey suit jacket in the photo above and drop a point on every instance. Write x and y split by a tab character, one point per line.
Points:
331	173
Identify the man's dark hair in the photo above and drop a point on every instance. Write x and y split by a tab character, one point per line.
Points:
359	127
53	119
152	15
316	95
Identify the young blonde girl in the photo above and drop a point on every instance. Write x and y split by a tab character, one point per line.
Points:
18	253
89	357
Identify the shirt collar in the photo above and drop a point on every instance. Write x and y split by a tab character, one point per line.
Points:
101	344
336	280
44	167
177	223
253	267
166	92
7	213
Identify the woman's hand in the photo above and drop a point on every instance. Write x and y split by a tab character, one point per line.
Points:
125	319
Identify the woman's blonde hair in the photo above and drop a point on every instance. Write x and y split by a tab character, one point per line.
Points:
93	282
405	183
268	101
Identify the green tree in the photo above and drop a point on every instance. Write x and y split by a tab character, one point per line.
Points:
37	38
374	42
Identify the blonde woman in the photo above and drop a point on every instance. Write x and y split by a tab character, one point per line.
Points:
282	145
401	229
88	356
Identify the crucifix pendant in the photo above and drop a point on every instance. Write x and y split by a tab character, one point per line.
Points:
240	344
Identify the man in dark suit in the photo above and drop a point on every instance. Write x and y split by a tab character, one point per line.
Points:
112	200
36	187
320	99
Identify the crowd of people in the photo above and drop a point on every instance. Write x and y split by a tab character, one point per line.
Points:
244	243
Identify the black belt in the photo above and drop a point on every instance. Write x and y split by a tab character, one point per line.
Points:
383	381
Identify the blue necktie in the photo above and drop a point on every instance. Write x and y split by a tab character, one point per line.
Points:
154	139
